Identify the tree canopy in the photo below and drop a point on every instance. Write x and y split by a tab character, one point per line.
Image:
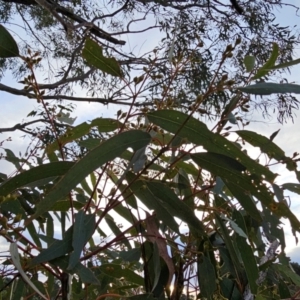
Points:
153	203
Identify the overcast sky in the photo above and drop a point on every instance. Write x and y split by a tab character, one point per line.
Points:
14	109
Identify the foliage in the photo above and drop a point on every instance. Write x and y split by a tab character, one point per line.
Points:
193	32
152	204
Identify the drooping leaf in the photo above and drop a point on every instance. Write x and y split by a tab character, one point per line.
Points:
176	207
293	187
286	64
267	146
265	69
145	195
116	230
198	133
249	62
35	174
105	152
246	253
268	88
230	247
206	277
57	249
8	46
106	124
14	254
92	53
85	274
84	227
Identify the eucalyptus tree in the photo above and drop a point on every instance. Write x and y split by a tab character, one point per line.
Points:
143	211
196	31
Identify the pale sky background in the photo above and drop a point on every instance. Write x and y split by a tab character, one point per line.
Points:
14	109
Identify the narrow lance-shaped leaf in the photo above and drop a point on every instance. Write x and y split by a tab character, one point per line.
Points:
146	196
92	53
246	253
176	207
267	146
206	277
84	228
105	152
34	175
286	64
8	46
198	133
57	249
268	88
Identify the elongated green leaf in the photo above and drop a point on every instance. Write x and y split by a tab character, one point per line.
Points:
57	249
157	266
246	253
230	247
34	175
288	272
142	297
232	172
8	46
65	205
287	64
198	133
71	135
265	69
32	231
268	88
84	227
206	278
293	187
105	152
106	124
85	274
116	230
119	271
14	254
145	195
267	146
176	207
92	53
249	62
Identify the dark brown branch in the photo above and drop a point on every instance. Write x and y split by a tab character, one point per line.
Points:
21	127
55	8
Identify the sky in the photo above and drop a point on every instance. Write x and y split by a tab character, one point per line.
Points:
14	109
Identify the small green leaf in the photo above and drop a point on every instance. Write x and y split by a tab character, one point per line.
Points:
249	62
92	53
268	88
8	46
265	69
